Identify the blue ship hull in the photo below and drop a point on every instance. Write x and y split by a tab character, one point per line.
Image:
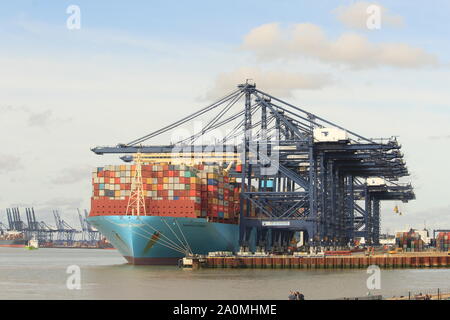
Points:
164	240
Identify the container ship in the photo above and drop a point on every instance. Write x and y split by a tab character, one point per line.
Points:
13	239
158	213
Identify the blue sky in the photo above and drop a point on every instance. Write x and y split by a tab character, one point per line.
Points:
64	91
223	21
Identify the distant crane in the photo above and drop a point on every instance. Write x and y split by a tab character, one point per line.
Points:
14	220
89	234
65	232
47	231
3	228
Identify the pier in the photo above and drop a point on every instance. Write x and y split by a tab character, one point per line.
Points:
436	260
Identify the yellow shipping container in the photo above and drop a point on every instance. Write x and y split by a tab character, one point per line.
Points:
166	180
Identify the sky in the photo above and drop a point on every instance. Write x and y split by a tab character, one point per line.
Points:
133	66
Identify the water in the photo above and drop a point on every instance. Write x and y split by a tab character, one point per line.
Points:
41	274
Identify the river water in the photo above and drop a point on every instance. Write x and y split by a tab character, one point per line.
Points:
104	274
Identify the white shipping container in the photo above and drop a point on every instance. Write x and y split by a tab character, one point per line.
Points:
330	135
375	181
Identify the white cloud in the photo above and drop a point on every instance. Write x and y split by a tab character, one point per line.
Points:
278	83
355	15
349	49
9	163
40	119
73	175
64	202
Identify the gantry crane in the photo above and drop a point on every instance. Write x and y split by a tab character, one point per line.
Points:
297	170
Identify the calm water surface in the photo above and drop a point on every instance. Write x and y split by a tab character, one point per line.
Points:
41	274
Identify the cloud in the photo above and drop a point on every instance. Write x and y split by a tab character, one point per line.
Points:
442	137
279	83
355	15
35	119
40	119
271	42
73	175
64	202
9	163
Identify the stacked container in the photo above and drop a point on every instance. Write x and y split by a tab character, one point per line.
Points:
409	241
170	190
443	241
